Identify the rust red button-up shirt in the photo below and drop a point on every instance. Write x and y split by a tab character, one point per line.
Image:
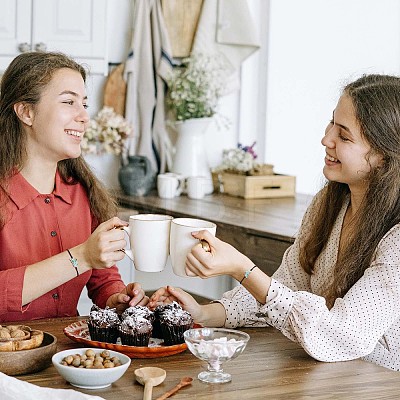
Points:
38	227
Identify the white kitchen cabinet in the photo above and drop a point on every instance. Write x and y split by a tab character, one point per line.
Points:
74	27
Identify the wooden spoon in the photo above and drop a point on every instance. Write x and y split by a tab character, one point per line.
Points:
184	382
149	377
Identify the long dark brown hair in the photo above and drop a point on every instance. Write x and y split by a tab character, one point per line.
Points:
24	81
376	100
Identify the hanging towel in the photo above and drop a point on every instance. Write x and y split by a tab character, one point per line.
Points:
146	70
226	26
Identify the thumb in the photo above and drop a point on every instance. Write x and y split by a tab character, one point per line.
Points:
179	294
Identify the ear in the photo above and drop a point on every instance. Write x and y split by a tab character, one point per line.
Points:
24	113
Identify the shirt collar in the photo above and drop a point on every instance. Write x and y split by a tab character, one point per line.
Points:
21	192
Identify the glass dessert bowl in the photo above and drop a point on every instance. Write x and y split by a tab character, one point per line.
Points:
215	346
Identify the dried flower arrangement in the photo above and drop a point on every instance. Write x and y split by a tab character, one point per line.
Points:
242	160
106	133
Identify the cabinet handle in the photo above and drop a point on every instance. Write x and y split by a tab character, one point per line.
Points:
41	46
24	47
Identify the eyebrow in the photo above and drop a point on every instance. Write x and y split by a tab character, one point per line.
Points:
340	125
71	93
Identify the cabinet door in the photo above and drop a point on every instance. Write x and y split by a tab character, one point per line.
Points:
75	27
15	29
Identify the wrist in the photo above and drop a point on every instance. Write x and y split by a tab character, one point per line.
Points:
245	265
78	253
212	314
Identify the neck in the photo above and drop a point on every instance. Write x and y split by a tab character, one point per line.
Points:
41	177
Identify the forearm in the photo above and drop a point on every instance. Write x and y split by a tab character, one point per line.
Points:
48	274
252	278
257	283
212	315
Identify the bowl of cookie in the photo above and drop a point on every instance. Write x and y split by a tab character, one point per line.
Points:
24	350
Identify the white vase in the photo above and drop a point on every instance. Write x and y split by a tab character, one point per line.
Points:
106	168
190	157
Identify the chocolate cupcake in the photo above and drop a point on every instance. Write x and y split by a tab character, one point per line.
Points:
103	324
138	311
135	331
174	321
156	323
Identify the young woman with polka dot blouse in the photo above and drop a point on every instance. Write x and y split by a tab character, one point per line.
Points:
337	291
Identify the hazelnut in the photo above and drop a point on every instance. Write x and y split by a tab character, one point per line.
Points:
4	333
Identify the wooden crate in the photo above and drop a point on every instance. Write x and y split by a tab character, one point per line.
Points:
255	187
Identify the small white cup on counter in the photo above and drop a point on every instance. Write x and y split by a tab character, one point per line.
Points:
169	185
196	187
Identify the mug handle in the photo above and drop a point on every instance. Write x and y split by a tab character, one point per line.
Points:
128	252
179	187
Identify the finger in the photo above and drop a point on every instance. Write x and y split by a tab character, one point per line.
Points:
178	294
206	236
112	223
121	298
158	294
143	302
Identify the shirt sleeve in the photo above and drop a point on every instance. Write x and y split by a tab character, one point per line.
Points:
354	325
103	283
351	329
11	283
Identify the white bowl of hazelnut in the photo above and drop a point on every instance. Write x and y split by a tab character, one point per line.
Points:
90	368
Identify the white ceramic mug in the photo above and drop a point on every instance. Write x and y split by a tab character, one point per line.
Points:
181	240
149	240
181	180
169	185
196	186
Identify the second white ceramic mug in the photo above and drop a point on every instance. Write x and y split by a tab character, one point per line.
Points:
149	239
169	185
181	240
196	186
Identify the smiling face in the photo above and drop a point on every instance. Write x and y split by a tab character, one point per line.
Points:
56	124
347	159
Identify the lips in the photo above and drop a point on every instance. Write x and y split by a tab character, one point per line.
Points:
73	133
331	159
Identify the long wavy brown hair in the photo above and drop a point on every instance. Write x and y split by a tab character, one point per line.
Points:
376	100
24	81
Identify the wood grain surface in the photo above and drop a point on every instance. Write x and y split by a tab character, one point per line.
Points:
271	367
181	17
115	90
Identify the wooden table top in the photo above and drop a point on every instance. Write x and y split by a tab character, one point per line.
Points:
271	367
276	218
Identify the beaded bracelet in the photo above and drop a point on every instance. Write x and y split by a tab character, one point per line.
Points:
247	273
74	262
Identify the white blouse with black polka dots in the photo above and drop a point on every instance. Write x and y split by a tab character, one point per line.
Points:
364	323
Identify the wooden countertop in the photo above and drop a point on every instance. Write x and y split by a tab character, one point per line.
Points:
274	218
271	367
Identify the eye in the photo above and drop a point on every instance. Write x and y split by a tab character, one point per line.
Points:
343	138
85	106
69	102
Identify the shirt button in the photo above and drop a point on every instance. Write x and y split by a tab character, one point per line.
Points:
55	296
53	233
47	200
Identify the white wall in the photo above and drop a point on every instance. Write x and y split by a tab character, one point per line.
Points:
313	48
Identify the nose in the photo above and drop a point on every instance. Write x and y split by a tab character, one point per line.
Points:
328	139
83	115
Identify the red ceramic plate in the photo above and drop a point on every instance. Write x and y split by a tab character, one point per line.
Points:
79	332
